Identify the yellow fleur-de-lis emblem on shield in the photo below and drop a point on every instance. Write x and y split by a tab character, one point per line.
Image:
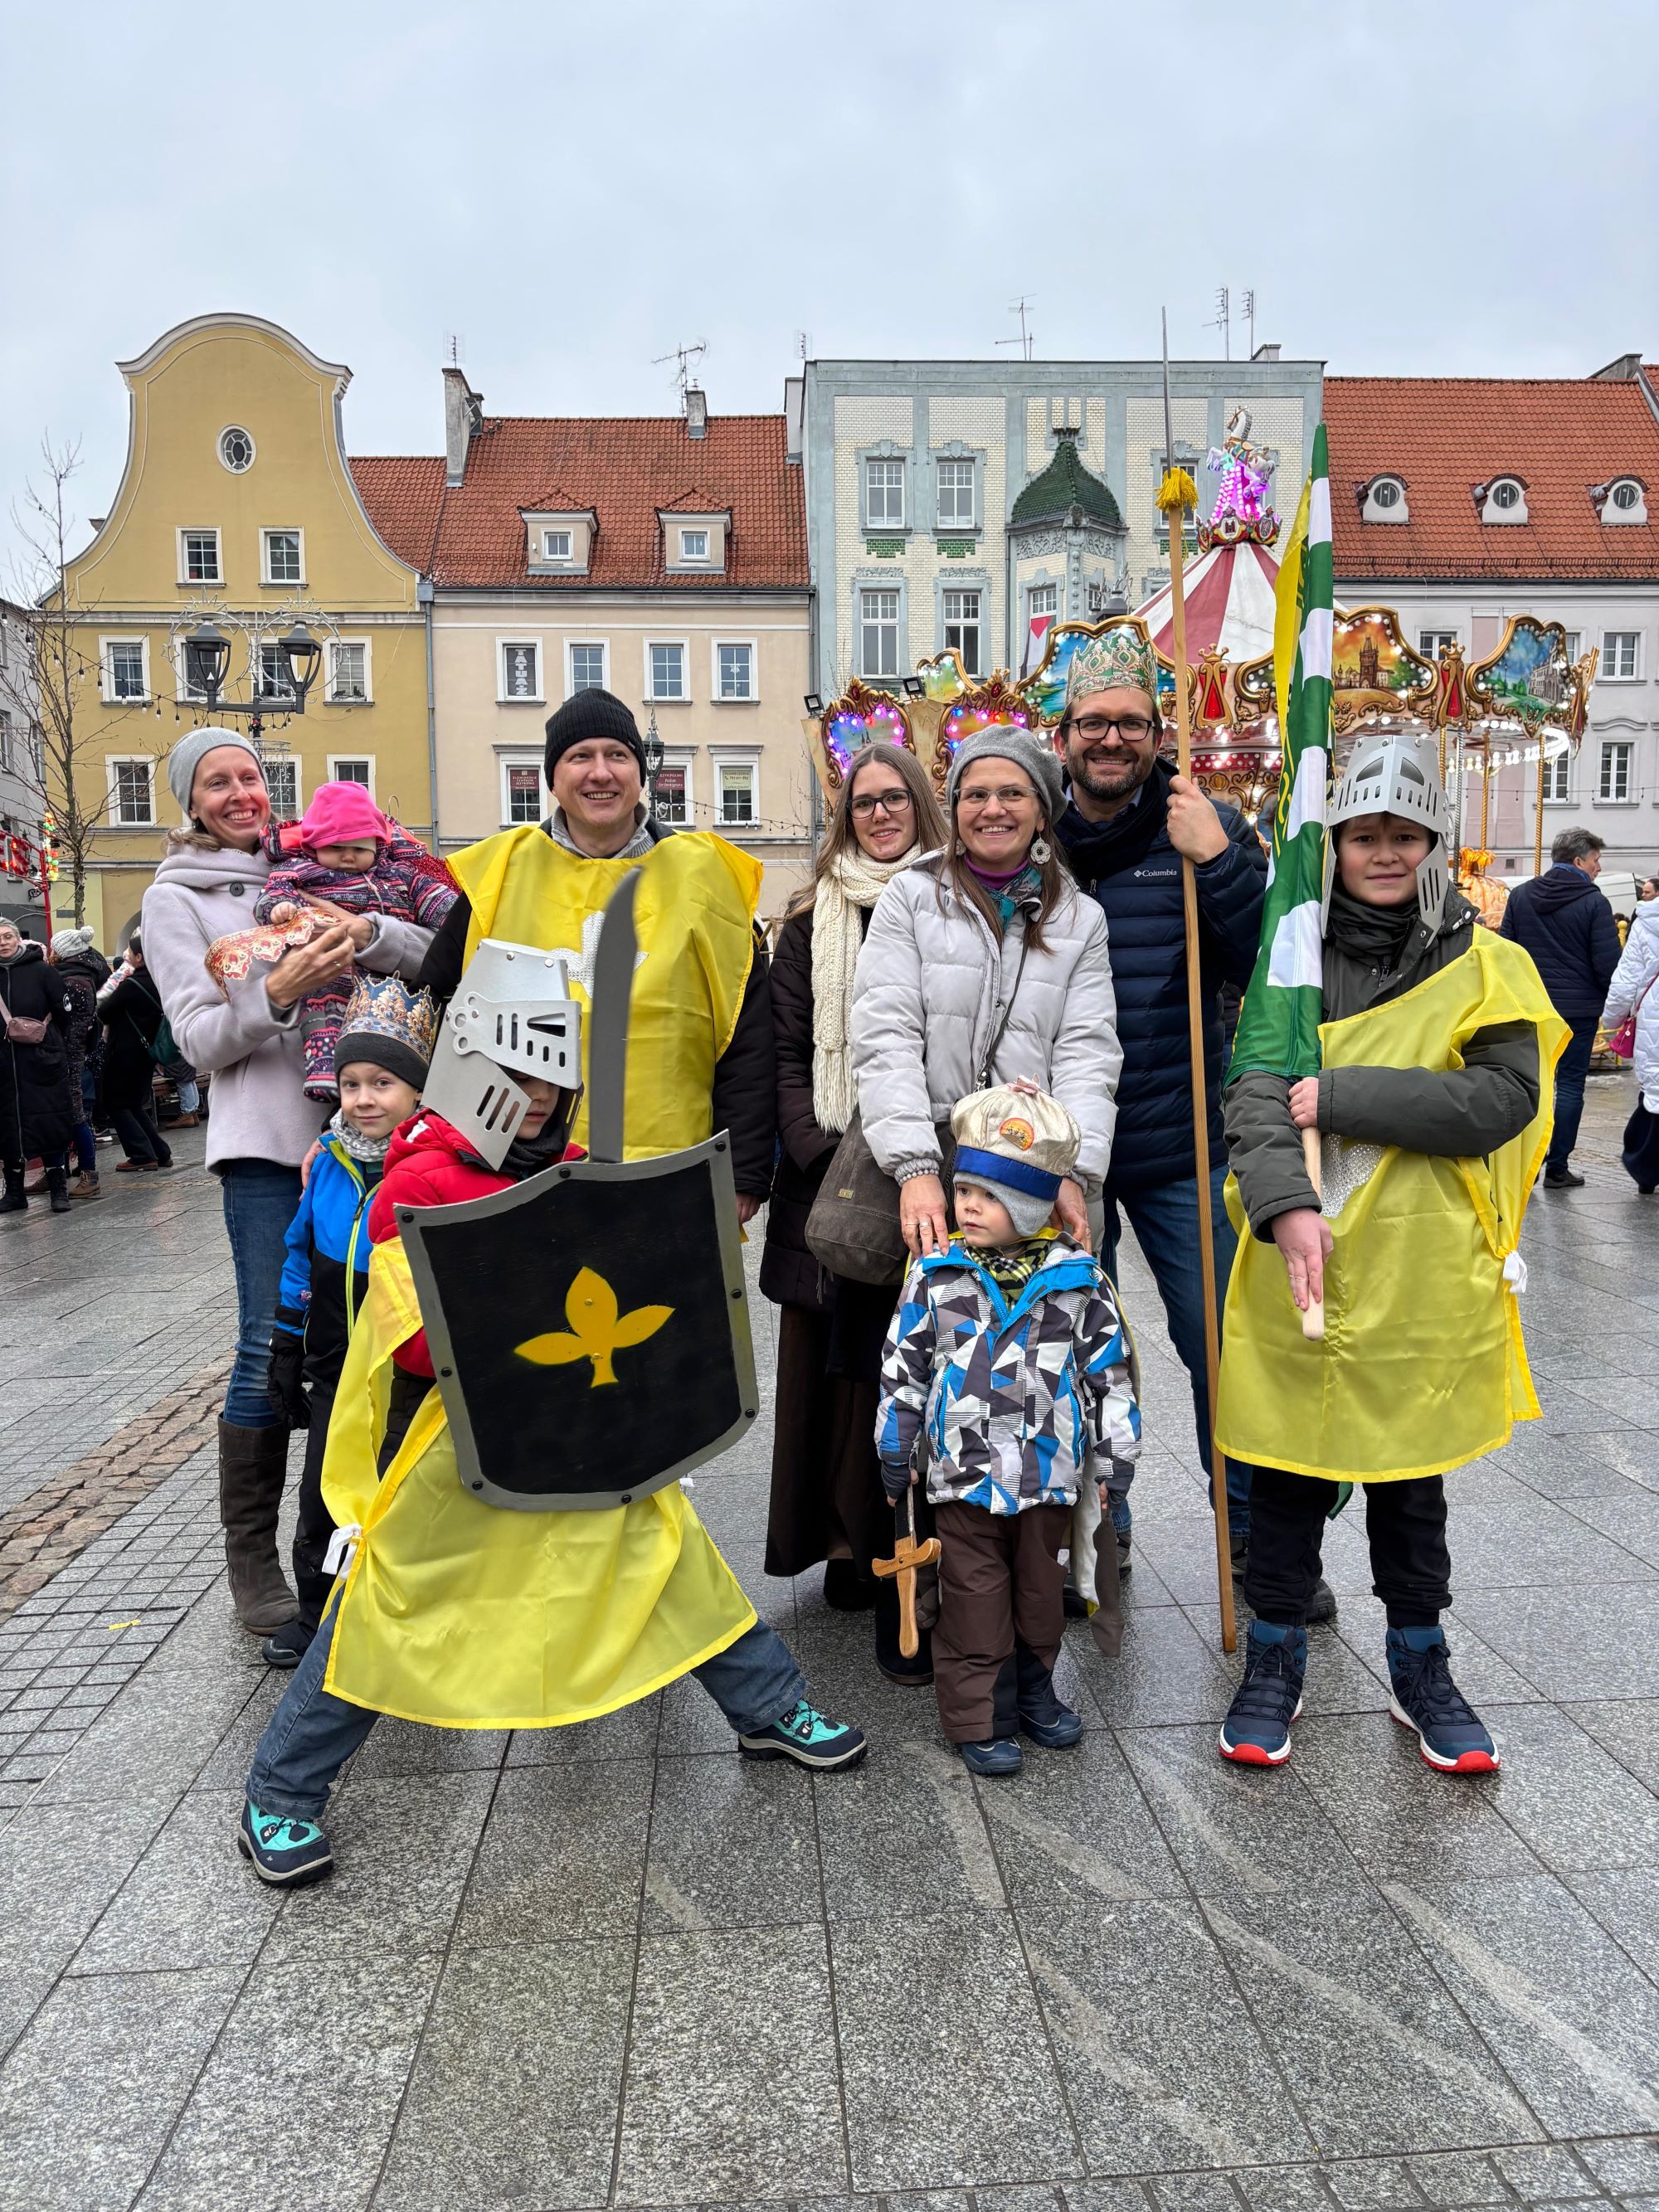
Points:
597	1329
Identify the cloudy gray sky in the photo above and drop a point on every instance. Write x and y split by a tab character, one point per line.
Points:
1424	187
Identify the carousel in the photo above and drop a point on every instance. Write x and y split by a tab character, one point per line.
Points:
1520	706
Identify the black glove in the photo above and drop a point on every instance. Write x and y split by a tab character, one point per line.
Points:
285	1378
895	1480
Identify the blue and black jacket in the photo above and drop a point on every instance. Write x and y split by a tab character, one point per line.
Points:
325	1275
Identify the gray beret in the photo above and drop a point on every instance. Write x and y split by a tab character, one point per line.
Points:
1003	741
186	758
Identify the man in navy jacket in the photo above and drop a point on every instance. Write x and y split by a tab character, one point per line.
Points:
1568	928
1130	822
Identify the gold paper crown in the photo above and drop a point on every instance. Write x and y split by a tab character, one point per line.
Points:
1120	657
379	1007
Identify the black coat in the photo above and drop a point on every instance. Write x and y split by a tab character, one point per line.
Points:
1566	925
789	1273
131	1015
1130	866
84	975
37	1110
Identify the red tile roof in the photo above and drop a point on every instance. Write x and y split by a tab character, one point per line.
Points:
1443	436
626	469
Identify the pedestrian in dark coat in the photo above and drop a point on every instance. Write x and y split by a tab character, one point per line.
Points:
1568	928
827	1498
84	971
37	1109
132	1017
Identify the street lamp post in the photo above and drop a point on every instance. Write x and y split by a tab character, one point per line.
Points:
653	759
208	660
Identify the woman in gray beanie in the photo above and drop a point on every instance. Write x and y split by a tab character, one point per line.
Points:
983	965
262	1125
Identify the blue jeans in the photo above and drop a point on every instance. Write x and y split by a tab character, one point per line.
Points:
260	1199
1570	1072
311	1734
1165	1218
86	1148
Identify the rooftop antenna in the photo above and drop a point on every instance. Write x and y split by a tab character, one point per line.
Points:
1222	320
804	345
1249	320
455	348
1027	339
687	356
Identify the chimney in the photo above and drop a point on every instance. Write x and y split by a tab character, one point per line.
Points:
1266	353
794	417
462	417
696	411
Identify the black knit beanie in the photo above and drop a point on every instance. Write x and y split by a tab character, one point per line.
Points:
590	715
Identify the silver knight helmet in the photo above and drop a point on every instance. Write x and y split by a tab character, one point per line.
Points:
1393	773
512	1014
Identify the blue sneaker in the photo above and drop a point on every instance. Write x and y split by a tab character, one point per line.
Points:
288	1853
1257	1730
1050	1725
1449	1733
805	1735
1002	1755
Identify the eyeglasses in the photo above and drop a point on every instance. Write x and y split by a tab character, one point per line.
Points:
890	802
1131	729
1006	794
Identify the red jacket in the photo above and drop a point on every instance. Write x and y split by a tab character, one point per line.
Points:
429	1164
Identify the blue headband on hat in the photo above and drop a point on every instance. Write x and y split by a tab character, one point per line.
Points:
974	1166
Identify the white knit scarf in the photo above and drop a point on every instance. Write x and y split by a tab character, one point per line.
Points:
851	885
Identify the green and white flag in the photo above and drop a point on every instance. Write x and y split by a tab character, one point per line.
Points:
1278	1025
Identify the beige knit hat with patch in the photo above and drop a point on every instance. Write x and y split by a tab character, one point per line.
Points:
1019	1144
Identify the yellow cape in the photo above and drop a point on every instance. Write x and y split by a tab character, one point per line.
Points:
465	1615
1423	1366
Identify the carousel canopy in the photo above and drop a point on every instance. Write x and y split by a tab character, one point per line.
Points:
1230	605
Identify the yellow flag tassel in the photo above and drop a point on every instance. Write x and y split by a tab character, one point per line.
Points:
1176	493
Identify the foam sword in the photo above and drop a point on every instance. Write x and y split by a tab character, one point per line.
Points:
608	1005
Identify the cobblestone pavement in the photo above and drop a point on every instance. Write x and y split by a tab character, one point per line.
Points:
618	1964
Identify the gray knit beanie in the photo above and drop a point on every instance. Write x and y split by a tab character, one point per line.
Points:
1005	741
186	758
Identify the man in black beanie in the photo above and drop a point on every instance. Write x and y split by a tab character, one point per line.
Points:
595	769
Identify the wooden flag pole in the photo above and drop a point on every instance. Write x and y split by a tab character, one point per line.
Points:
1176	515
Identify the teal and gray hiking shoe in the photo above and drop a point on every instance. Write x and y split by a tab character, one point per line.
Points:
286	1852
803	1734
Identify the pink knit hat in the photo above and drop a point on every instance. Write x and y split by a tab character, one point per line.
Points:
341	814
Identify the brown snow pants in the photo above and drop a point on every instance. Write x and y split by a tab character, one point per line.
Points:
1002	1613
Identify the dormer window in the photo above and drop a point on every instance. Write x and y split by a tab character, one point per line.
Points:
694	544
1502	499
694	541
1383	500
555	544
559	541
1622	500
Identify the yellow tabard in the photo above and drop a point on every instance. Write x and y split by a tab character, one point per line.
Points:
1423	1366
465	1615
695	916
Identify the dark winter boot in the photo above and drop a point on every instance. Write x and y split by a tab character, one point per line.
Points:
57	1184
14	1201
252	1467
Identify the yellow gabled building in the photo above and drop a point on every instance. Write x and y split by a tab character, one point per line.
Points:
237	509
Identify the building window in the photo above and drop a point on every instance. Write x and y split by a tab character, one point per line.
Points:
962	627
1385	492
1620	654
236	450
282	555
736	665
1625	495
879	633
737	795
1431	643
1505	494
5	741
521	670
956	495
883	494
282	782
1574	646
1556	768
198	557
667	671
521	785
132	793
670	795
1045	600
587	668
1615	787
352	771
555	544
694	544
127	669
275	680
348	673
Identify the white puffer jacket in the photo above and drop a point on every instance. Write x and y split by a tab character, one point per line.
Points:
1638	968
929	994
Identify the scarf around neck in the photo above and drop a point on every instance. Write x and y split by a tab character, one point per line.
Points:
849	887
367	1152
1377	935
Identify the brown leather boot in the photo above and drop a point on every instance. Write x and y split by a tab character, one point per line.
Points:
252	1467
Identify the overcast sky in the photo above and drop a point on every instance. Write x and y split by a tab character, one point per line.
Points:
1427	187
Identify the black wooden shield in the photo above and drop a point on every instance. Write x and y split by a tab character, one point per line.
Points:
589	1328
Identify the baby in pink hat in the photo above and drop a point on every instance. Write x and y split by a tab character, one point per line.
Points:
344	850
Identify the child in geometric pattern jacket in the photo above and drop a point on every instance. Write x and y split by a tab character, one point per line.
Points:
1008	1362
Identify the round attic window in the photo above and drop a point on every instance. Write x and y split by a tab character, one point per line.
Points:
1625	495
236	450
1505	494
1385	492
